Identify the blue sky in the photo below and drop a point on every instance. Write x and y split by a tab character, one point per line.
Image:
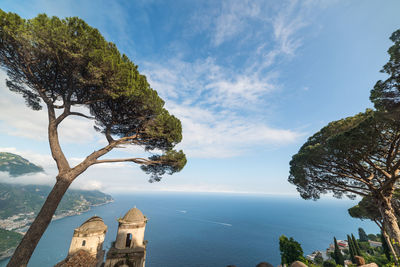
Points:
250	81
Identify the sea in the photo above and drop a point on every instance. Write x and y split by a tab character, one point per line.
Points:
203	229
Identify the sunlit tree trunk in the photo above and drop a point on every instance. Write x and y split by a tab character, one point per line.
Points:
387	239
390	222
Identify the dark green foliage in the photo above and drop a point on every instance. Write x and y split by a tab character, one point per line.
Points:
8	239
364	246
341	157
15	199
172	161
357	250
329	263
338	256
362	235
351	248
379	259
16	165
318	259
385	247
291	250
367	208
373	237
386	94
63	63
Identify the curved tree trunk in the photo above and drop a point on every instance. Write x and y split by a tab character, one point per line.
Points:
390	222
29	242
387	239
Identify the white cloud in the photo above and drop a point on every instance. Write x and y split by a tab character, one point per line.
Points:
97	177
234	19
207	98
19	120
209	134
205	82
221	104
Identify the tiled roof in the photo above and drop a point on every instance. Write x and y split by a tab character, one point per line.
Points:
81	258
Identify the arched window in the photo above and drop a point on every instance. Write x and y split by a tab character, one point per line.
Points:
83	243
128	240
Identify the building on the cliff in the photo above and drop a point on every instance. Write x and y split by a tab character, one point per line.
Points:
90	237
128	250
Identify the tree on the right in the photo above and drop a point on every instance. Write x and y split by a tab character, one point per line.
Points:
386	94
354	156
358	155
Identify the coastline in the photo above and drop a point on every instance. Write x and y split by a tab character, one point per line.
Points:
73	213
9	252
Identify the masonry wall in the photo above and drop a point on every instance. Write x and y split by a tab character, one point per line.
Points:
137	237
93	242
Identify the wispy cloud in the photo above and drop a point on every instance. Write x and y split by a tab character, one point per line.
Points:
205	82
234	19
208	99
214	97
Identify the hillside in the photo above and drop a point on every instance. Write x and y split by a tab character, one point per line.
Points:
8	241
19	205
16	165
24	199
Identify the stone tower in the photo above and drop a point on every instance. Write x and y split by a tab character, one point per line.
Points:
129	249
90	237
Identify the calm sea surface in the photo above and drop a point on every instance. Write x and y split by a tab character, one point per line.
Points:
194	230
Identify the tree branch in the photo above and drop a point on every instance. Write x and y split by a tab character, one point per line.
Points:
81	115
92	158
135	160
55	147
385	173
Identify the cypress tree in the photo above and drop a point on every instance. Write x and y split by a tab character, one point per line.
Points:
351	248
338	254
362	235
356	246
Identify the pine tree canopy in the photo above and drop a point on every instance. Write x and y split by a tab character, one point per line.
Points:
353	156
64	63
386	94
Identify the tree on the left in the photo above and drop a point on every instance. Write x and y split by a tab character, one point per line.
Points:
62	64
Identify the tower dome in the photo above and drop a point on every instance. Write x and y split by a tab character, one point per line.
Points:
134	215
92	225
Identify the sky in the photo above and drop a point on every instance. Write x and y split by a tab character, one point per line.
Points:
249	80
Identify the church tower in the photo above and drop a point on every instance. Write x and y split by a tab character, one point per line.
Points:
129	249
90	237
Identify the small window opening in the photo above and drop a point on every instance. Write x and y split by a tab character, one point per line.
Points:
128	240
83	243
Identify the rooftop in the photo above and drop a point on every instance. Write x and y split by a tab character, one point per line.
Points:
92	225
134	215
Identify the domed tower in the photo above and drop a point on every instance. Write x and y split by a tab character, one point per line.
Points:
129	248
89	237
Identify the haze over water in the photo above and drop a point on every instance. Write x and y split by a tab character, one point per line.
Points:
212	229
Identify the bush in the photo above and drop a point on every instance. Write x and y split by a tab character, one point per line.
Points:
329	263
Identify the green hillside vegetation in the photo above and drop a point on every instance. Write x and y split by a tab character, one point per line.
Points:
16	165
8	239
15	199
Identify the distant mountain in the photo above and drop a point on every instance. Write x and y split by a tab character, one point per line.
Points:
23	199
19	205
16	165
